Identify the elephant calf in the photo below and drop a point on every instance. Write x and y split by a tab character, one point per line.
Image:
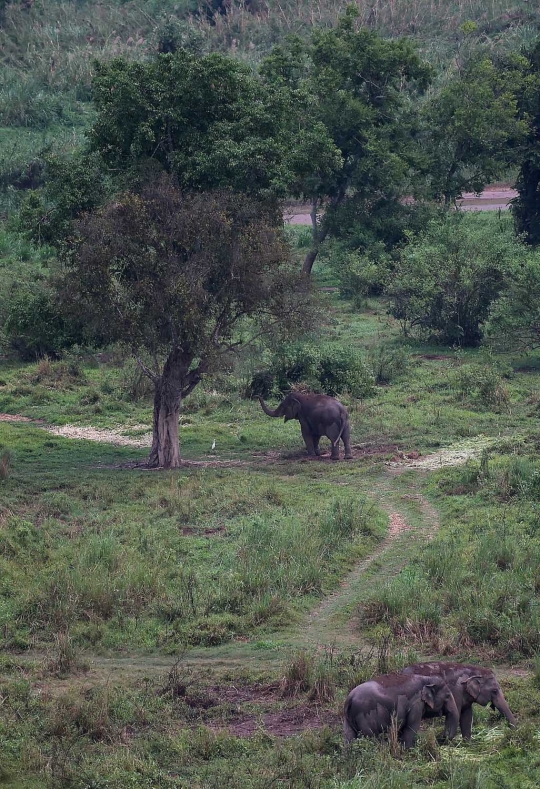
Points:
369	707
319	415
469	685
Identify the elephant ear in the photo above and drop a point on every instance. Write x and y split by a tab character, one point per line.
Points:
295	407
472	685
428	695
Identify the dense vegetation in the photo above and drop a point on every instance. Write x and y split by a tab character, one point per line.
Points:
201	626
228	560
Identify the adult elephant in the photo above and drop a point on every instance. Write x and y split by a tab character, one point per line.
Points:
319	415
470	685
370	707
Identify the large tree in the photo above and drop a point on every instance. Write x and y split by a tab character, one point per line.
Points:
207	119
182	280
354	87
527	205
472	127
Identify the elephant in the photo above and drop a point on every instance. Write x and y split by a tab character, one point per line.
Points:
319	415
369	707
469	684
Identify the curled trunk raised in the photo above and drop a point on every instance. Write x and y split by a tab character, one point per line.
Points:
268	411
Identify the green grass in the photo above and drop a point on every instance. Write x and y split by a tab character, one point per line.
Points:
109	575
475	587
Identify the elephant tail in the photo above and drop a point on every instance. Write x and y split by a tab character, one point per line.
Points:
349	732
343	423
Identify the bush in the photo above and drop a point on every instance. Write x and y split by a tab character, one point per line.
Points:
388	363
514	320
35	327
323	368
447	277
483	382
360	274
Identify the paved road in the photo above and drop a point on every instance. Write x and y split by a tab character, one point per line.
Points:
491	199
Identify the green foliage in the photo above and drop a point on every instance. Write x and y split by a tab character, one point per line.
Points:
447	278
483	382
388	363
360	274
526	207
31	324
322	367
472	127
206	119
74	185
354	79
514	319
35	325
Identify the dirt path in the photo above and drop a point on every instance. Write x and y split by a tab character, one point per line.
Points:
491	199
413	521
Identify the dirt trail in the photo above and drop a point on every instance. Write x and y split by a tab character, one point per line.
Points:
491	199
333	620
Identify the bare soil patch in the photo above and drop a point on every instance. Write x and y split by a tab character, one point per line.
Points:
454	455
14	418
287	722
433	357
188	531
115	436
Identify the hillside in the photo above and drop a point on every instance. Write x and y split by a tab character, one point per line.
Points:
47	50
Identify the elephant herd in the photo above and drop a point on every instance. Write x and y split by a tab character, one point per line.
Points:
423	690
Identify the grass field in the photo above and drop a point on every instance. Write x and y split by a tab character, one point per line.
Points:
201	628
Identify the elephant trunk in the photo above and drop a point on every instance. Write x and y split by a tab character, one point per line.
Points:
500	703
269	411
452	718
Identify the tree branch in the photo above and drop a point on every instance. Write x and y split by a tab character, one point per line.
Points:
146	370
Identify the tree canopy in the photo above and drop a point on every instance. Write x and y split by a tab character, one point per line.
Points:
358	86
527	205
472	127
207	119
183	280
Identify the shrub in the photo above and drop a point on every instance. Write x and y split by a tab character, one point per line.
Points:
483	382
5	462
514	320
447	278
35	327
298	674
133	383
360	274
388	363
322	368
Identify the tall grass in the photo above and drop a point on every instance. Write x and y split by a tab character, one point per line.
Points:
476	584
48	47
117	562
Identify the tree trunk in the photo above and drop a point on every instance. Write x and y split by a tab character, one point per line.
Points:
311	256
313	252
165	452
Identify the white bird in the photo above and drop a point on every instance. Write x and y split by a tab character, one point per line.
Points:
213	444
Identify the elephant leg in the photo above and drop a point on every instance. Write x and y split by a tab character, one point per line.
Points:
410	729
308	439
465	722
316	440
346	438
